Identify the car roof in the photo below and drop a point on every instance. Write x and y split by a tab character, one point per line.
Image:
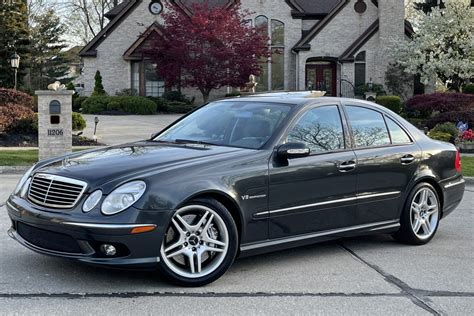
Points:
299	98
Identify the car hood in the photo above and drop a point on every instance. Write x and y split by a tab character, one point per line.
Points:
120	163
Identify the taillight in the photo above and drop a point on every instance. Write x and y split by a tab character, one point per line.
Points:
457	163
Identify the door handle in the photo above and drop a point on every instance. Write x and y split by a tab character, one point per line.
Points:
407	159
347	166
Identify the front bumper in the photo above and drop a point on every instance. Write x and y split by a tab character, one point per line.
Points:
78	236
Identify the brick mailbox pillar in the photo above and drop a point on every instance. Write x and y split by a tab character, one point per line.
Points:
54	122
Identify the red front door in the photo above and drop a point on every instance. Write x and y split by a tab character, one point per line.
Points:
321	75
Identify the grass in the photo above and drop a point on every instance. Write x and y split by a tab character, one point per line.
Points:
467	164
30	156
25	157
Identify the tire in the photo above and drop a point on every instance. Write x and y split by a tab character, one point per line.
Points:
200	243
420	217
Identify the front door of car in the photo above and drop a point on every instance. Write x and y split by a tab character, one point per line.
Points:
316	192
387	159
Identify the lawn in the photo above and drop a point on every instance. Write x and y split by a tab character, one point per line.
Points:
467	164
25	157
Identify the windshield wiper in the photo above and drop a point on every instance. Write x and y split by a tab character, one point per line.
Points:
190	141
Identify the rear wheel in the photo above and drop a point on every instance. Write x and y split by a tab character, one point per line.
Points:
420	218
200	243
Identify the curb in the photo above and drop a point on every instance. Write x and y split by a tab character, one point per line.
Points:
469	180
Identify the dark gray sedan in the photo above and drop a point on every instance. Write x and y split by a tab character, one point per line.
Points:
240	177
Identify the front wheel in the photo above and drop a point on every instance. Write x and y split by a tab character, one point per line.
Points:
200	243
420	217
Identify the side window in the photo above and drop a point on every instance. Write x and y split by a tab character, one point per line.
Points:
320	129
399	136
368	127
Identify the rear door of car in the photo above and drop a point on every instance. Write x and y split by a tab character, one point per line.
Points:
387	158
317	192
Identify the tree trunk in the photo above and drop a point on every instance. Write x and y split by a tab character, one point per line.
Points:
205	95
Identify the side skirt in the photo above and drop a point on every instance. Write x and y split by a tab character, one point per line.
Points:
306	239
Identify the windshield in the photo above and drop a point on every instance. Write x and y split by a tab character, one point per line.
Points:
245	124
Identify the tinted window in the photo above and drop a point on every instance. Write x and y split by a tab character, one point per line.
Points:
399	136
368	127
320	129
236	124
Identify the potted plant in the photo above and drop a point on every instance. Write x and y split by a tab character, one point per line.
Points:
465	141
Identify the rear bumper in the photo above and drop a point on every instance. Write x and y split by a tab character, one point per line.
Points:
63	235
453	192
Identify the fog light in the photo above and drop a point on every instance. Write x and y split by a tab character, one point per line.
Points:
108	250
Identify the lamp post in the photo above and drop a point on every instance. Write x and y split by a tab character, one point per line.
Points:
96	121
15	63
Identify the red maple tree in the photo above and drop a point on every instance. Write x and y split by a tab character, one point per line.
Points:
212	48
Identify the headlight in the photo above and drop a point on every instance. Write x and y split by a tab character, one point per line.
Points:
23	180
92	201
123	197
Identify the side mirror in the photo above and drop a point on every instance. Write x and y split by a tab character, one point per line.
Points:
293	150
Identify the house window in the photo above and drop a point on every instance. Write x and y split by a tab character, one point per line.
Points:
145	80
273	68
359	70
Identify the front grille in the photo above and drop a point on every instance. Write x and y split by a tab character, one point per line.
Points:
55	191
47	239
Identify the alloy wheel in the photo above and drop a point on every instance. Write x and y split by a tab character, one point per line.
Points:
424	215
196	242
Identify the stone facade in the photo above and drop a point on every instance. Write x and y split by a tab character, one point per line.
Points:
54	139
329	43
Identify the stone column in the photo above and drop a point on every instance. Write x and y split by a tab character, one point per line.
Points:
54	123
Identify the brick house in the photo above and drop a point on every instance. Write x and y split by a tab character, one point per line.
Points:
327	45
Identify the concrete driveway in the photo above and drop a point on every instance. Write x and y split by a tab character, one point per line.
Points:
359	276
119	129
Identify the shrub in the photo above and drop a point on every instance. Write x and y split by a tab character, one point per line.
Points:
136	105
180	107
161	104
77	103
15	118
10	96
452	116
427	104
113	105
127	92
175	96
446	127
391	102
440	136
469	88
95	104
132	105
78	122
98	87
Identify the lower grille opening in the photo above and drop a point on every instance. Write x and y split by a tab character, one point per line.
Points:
47	239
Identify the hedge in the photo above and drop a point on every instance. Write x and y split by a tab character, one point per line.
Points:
391	102
77	103
128	104
447	127
446	137
180	107
427	104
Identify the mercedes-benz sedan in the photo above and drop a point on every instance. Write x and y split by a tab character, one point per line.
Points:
239	177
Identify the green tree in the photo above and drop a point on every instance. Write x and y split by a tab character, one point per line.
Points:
47	62
14	37
98	87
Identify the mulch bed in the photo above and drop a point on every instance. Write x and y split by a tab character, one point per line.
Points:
31	140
